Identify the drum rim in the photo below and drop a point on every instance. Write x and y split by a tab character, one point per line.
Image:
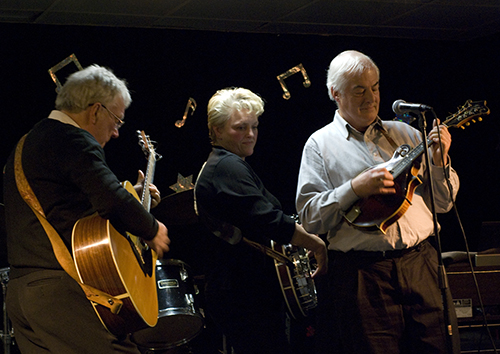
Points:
169	345
172	262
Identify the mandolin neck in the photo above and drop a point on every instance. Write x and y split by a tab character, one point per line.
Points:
410	158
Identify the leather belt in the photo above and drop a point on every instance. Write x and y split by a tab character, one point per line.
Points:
389	254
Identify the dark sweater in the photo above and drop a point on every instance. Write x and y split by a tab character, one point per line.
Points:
66	168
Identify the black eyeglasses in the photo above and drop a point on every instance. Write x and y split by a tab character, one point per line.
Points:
119	122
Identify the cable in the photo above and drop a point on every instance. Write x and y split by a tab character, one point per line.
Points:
478	292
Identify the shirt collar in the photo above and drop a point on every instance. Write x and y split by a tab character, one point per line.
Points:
341	125
378	124
346	129
63	118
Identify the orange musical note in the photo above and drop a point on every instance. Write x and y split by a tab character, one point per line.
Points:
290	72
190	104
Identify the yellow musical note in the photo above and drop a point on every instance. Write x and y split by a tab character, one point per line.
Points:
52	71
290	72
190	104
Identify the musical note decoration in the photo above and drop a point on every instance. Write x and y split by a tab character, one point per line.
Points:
183	183
52	71
290	72
190	104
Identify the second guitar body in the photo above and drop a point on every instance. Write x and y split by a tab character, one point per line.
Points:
106	260
122	266
295	278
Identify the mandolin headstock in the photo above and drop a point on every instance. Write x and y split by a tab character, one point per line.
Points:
467	113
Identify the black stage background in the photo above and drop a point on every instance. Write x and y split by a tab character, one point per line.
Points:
166	67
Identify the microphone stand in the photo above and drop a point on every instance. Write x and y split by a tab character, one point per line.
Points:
7	333
442	278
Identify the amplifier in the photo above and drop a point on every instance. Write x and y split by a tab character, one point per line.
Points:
466	295
487	260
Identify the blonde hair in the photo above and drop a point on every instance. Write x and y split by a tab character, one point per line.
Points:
223	104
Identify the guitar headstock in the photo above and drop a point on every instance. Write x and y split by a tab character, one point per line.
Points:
147	145
468	112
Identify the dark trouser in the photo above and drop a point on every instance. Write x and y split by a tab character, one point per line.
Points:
50	314
370	304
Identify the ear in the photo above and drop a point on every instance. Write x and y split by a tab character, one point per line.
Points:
218	132
335	94
92	113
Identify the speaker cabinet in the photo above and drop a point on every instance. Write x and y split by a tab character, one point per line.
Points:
474	336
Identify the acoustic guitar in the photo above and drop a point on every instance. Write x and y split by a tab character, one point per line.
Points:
380	211
121	265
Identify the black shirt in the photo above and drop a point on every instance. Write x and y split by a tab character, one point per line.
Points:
66	168
229	190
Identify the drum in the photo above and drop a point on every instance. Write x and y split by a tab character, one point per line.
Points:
179	318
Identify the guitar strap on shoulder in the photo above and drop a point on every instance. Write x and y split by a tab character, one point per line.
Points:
60	250
223	230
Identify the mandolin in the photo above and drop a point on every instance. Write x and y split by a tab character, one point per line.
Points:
378	212
120	265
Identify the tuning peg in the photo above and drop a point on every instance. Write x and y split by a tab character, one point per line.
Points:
462	127
473	120
480	119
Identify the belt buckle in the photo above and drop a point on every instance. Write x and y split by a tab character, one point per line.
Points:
383	254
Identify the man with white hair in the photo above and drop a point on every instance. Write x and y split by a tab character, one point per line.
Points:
381	294
64	164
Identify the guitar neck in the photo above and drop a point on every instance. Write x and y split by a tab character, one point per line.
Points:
148	179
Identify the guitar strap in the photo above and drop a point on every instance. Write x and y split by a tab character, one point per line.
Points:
225	231
60	250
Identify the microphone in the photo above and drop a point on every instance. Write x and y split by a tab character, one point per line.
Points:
400	107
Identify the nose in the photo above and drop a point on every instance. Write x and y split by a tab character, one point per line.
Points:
371	96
